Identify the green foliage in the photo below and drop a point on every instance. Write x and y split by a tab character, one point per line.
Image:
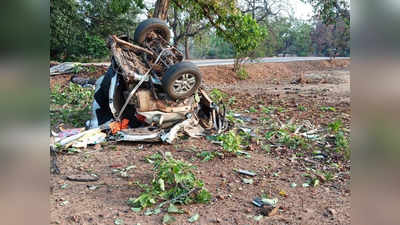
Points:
230	117
217	95
240	30
252	109
330	10
209	45
230	142
342	144
290	140
70	105
341	141
206	156
242	74
173	181
328	108
286	36
78	29
301	108
243	32
336	126
287	137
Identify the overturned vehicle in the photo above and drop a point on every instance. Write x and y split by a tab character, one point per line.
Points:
149	93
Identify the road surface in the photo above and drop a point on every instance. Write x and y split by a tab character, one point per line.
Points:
219	62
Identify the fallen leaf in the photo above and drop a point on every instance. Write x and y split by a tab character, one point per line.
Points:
173	209
167	219
136	209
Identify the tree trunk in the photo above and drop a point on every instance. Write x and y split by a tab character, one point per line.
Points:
187	48
161	9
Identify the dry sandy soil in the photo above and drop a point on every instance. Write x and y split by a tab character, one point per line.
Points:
287	85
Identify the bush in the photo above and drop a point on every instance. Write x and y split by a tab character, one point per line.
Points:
71	105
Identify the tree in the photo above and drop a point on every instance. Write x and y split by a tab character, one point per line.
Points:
328	38
65	25
330	10
185	27
161	9
79	28
241	30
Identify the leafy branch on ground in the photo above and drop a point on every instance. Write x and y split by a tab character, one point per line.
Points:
173	182
341	140
231	142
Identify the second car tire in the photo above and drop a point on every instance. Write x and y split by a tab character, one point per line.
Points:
181	80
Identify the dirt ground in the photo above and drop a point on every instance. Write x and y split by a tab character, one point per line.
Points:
311	85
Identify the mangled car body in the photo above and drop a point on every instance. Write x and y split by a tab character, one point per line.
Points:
150	86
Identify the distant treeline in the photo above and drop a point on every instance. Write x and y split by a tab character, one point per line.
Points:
79	30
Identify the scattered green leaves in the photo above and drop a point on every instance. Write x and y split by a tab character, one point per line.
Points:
230	141
173	181
167	219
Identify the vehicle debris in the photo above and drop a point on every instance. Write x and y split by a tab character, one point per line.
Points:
270	211
84	82
260	202
248	181
150	94
83	178
83	139
246	172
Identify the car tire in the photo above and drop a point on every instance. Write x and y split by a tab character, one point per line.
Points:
189	77
148	26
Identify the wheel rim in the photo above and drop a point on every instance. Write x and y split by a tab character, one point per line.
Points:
184	84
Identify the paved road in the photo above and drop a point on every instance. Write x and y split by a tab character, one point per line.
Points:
217	62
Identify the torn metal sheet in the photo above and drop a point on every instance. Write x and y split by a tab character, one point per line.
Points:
81	140
190	126
160	117
139	135
173	133
92	138
194	131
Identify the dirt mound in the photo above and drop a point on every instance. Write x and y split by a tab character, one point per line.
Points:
270	71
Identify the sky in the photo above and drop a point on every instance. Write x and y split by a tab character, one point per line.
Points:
301	10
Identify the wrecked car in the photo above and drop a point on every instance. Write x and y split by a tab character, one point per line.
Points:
149	92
